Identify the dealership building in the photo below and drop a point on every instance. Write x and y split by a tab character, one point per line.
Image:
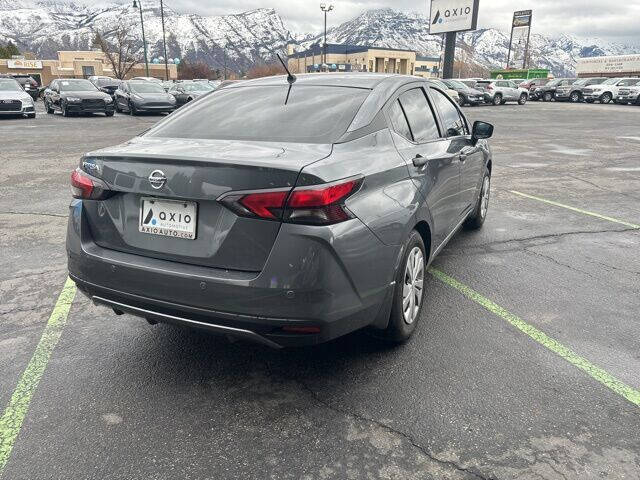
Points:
352	58
77	64
609	66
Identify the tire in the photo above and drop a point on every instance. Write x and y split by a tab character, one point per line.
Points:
606	97
117	107
409	290
48	108
31	115
63	109
497	99
461	100
548	96
523	99
109	114
589	100
477	218
575	97
132	109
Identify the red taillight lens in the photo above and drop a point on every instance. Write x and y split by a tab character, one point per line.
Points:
265	205
316	205
81	185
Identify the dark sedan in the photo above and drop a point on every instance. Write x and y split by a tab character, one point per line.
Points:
138	96
466	94
280	210
76	96
106	84
186	91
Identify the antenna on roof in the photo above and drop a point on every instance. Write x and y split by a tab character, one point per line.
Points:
290	77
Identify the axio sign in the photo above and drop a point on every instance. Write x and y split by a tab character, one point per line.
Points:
453	15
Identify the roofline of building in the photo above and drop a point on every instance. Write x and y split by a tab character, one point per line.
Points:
341	48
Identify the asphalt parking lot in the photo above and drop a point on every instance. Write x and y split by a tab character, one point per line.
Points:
526	363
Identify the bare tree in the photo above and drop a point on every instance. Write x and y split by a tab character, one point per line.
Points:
121	51
266	70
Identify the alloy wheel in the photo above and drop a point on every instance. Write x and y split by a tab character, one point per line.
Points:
413	285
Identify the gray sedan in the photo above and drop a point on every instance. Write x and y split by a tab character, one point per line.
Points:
138	96
14	100
280	210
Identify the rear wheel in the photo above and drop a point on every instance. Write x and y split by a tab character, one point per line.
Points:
523	99
109	114
477	218
48	107
497	99
409	291
31	115
132	109
548	96
605	97
574	97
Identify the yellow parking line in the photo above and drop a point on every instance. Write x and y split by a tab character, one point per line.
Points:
14	414
595	372
584	212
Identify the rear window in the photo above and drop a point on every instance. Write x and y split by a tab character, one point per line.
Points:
312	114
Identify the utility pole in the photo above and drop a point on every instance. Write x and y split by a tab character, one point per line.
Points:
325	9
144	40
224	61
164	42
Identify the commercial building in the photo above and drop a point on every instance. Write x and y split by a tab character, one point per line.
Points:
352	58
610	66
426	67
77	64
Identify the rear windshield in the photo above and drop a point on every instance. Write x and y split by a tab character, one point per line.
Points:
312	114
106	82
146	87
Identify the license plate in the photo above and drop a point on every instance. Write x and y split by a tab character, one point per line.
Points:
169	218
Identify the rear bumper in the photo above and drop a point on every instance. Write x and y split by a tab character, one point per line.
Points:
313	277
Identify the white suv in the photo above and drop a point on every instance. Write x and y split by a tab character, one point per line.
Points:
607	91
630	94
500	92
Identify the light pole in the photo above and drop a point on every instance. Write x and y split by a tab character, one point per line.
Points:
325	9
144	40
164	43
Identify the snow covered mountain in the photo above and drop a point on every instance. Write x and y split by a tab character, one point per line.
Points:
249	38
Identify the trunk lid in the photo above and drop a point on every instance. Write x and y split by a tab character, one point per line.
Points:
196	171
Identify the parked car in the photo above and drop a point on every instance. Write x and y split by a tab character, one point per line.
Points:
573	92
466	95
436	82
137	96
533	85
106	84
499	92
26	82
547	92
186	91
607	91
76	96
630	94
284	213
14	100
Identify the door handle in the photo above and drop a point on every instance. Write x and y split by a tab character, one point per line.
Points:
465	152
419	161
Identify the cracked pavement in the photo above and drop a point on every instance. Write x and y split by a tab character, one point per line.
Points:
468	398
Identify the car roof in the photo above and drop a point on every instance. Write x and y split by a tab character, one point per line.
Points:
354	80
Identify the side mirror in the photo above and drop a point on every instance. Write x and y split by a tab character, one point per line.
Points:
481	130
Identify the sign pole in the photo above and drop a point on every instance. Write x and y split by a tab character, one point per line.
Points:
509	53
449	55
526	48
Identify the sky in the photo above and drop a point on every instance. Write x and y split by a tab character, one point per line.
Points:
612	20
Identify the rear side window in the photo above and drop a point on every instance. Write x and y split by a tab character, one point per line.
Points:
311	114
454	125
421	119
399	121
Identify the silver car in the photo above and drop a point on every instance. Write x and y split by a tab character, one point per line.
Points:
14	100
630	94
607	91
499	92
283	211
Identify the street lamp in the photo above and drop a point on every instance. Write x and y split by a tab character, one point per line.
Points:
144	40
325	9
164	43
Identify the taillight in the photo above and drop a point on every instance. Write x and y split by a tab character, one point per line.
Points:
82	186
315	205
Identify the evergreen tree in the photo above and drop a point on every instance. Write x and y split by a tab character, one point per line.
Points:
11	49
